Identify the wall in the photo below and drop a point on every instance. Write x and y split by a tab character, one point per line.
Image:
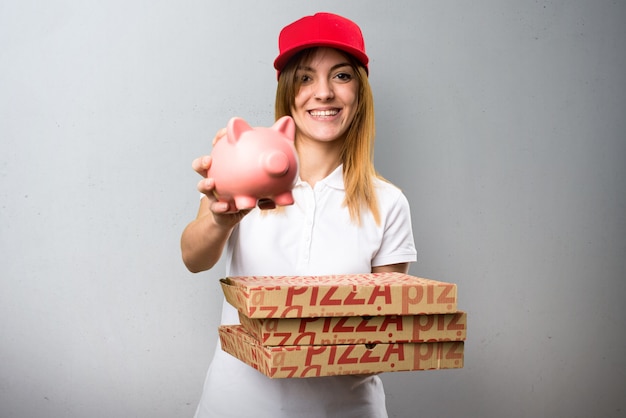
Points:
503	122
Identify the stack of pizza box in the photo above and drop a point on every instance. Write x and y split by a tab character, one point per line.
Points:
307	326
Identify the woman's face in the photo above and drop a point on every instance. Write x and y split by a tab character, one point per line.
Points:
327	100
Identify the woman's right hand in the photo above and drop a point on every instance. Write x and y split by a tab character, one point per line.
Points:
220	210
203	240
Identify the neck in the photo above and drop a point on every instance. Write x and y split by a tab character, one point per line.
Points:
318	160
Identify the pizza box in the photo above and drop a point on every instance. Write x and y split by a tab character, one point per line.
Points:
356	329
374	294
342	359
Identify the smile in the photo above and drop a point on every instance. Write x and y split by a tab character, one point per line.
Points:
320	113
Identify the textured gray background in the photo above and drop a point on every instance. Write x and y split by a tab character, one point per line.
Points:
502	121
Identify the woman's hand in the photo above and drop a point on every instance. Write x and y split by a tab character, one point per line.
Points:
204	238
202	164
220	210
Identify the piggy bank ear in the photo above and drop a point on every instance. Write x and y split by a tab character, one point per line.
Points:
235	128
287	126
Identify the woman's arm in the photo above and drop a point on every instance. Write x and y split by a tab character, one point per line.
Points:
400	268
203	240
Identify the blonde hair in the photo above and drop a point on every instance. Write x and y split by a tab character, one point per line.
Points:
357	155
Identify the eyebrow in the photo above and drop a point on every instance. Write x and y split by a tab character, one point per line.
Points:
333	68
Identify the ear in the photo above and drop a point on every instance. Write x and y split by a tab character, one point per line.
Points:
287	126
235	128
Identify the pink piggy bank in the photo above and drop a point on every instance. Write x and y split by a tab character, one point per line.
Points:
255	165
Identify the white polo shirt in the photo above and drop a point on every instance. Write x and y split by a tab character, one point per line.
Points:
315	236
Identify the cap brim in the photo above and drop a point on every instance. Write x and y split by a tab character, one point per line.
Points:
285	56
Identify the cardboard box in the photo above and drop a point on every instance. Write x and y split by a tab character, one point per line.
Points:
329	360
356	329
339	295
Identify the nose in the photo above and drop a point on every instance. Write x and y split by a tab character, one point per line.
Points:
323	90
275	163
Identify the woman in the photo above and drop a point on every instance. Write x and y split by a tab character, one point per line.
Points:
345	219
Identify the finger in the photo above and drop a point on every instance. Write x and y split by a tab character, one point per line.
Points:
207	186
219	135
202	164
219	207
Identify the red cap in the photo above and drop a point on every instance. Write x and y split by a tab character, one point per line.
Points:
321	29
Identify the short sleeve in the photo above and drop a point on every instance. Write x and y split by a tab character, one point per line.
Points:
397	245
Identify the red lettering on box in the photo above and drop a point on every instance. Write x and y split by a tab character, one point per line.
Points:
317	370
394	349
291	348
443	297
270	309
345	357
326	299
369	358
379	291
257	298
392	319
327	323
352	300
285	335
279	358
300	339
455	352
290	369
287	311
313	300
423	353
304	322
363	325
331	357
419	326
441	322
271	325
411	295
454	323
339	326
293	291
313	351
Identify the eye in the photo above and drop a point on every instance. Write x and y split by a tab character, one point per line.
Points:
304	78
344	76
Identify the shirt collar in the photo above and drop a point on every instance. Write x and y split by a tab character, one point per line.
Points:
334	179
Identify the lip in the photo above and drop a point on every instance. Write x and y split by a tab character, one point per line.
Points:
324	113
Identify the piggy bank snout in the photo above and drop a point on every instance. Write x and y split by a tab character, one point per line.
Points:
275	163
